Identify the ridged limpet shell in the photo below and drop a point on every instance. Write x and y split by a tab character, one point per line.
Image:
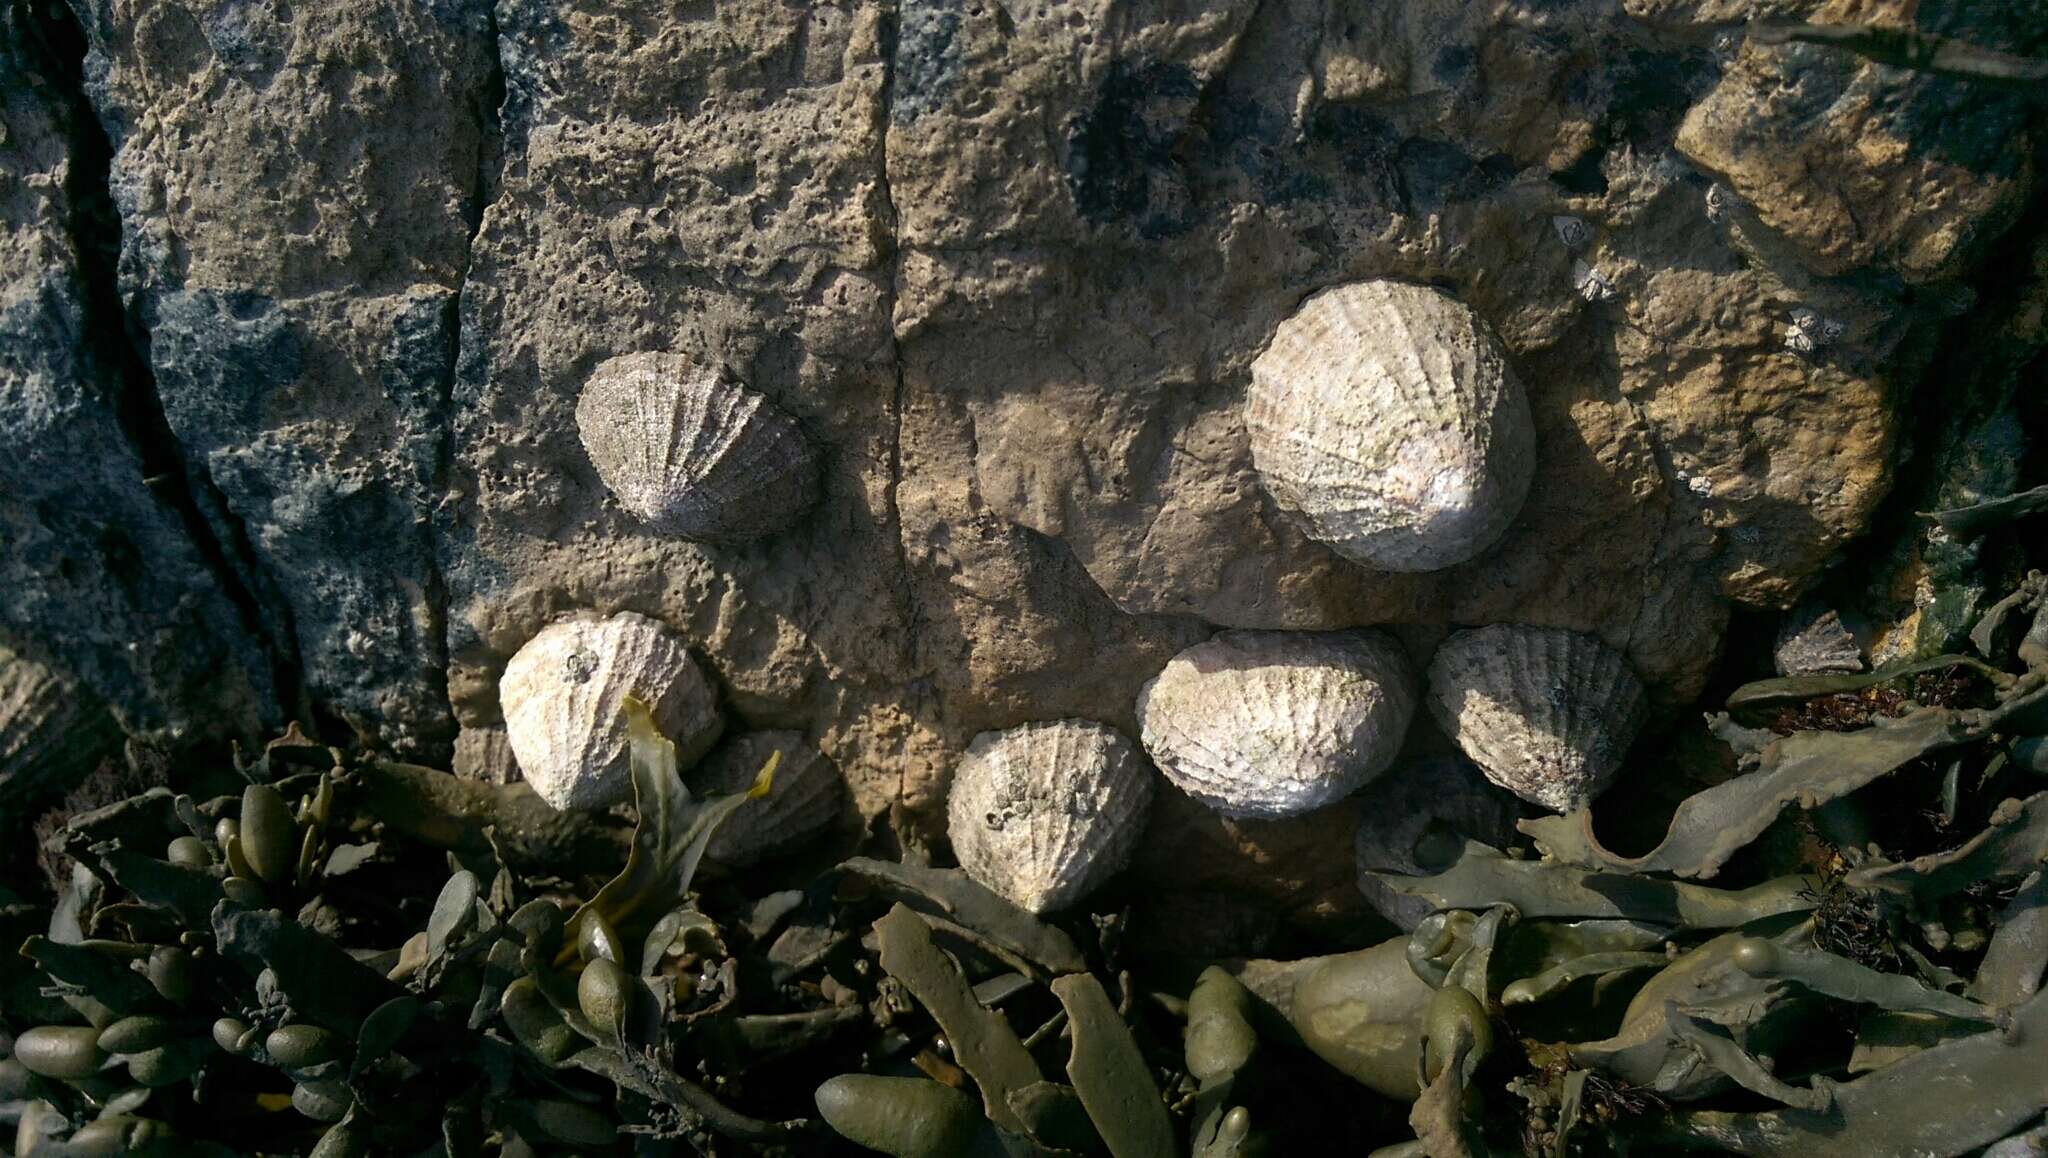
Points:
1043	813
1546	713
692	453
1386	416
1277	723
1415	817
803	803
562	693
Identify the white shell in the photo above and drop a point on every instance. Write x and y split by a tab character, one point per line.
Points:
803	803
562	694
1810	332
690	452
1445	799
1546	713
1592	285
1043	813
1385	415
1277	723
1812	639
1717	200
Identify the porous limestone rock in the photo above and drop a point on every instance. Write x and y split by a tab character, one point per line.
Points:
1007	267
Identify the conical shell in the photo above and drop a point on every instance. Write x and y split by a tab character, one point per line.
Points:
1437	801
690	452
804	801
53	731
1277	723
1546	713
562	695
1385	415
1043	813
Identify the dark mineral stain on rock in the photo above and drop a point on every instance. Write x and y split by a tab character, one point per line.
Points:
217	354
1120	162
926	63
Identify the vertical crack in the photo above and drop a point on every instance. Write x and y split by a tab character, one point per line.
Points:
118	348
485	184
891	29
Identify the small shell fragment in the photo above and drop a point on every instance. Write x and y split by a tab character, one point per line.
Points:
1277	723
562	694
1717	200
1043	813
1592	285
804	801
1386	417
692	453
1572	231
1546	713
1812	639
1810	333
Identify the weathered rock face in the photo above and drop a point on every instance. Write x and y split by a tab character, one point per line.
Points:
1007	267
98	572
297	187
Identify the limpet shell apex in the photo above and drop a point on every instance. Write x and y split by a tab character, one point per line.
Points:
692	453
1277	723
804	801
562	694
1546	713
1043	813
1386	417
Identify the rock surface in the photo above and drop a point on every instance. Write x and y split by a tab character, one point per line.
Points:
1007	267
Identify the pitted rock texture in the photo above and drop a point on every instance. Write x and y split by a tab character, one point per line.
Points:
1006	266
99	575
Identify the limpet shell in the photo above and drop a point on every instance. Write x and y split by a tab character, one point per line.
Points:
1416	813
1277	723
1386	416
804	802
53	731
1043	813
562	695
1546	713
692	453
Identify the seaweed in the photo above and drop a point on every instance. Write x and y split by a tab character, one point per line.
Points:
2015	843
1221	1041
1110	1074
1482	876
984	1044
1974	520
668	841
1807	769
1947	1100
981	916
2014	961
